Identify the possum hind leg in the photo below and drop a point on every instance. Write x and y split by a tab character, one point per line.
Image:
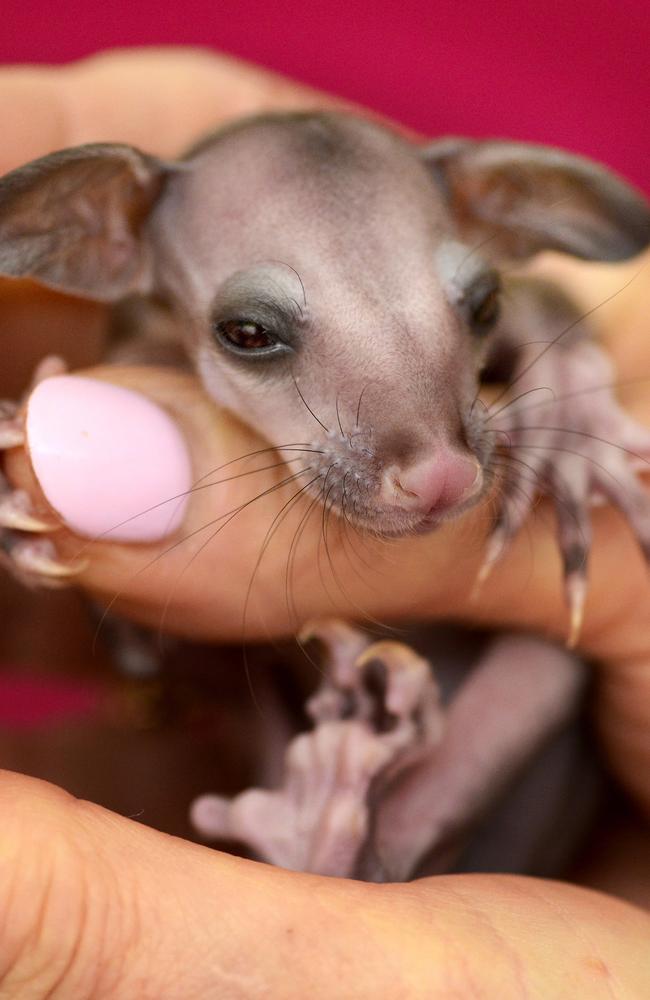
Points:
388	776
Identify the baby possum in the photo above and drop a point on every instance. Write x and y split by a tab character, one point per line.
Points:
344	291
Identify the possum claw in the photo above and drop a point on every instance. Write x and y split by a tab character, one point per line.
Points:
31	560
37	559
496	547
16	512
576	591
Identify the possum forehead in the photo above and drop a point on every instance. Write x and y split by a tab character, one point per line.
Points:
309	190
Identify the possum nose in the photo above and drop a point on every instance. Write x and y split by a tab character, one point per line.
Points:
434	484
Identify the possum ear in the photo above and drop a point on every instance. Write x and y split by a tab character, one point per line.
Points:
75	220
521	198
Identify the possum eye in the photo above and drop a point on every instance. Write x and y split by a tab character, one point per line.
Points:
486	312
245	336
485	306
249	338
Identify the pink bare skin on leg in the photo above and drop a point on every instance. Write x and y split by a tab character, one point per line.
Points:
109	461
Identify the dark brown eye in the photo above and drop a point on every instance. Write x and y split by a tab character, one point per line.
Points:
485	312
246	336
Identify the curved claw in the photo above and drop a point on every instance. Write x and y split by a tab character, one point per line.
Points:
516	505
406	681
496	547
33	560
575	585
38	558
17	513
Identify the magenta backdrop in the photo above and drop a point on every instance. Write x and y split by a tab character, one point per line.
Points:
574	73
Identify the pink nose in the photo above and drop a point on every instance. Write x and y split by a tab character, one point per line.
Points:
433	485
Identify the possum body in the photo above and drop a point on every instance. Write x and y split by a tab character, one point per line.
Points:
337	285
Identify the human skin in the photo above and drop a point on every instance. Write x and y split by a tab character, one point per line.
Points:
149	915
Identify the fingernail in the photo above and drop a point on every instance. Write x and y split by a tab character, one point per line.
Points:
110	461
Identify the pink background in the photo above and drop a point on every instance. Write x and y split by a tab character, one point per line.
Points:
575	74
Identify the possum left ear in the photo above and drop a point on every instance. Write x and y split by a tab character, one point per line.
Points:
522	198
74	220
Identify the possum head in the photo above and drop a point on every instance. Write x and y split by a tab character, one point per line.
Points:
334	284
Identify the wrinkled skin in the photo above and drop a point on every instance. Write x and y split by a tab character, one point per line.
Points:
363	322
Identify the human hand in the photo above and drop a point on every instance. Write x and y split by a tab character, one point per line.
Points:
405	939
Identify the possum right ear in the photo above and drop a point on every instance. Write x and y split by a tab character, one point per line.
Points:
75	220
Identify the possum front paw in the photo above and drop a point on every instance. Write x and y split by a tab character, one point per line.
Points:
377	712
24	548
565	435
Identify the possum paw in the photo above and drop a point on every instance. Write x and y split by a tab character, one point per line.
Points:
377	711
576	445
24	549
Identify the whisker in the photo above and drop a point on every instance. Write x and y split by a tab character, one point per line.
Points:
348	522
567	329
535	477
567	451
361	394
542	483
307	406
477	399
214	534
326	518
586	434
338	416
521	395
513	484
199	485
529	539
181	541
335	576
275	524
583	392
322	537
291	558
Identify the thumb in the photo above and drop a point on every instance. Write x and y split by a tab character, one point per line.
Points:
155	498
183	518
92	904
177	509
